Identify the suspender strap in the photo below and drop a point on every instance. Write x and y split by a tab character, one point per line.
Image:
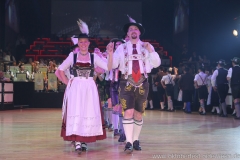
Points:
170	79
203	81
92	65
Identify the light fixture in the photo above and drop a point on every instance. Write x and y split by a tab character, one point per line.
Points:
235	32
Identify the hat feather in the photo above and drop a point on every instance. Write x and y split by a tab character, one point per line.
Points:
130	19
83	26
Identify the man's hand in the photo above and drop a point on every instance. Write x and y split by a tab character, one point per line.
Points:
110	47
148	46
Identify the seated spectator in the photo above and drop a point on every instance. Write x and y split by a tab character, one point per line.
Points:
2	78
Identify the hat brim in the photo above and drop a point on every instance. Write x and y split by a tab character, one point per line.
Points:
140	27
117	40
81	36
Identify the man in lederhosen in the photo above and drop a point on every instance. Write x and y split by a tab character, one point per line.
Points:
168	83
234	78
135	60
220	85
200	82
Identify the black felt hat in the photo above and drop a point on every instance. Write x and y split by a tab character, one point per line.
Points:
117	40
82	35
139	25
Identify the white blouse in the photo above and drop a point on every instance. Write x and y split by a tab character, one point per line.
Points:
69	62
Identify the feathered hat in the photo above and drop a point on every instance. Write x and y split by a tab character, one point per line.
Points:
83	28
133	23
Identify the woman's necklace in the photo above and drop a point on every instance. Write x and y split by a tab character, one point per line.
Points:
83	54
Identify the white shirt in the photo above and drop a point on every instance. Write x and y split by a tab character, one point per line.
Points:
69	62
201	78
229	75
152	59
168	79
214	77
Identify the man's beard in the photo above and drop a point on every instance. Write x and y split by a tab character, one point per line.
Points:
134	36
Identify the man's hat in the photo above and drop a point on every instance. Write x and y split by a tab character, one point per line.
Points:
221	61
132	22
114	40
236	60
140	27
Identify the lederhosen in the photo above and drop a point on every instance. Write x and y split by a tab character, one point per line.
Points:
169	87
202	90
133	95
222	84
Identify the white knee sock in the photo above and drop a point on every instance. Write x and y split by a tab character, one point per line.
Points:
213	108
162	105
137	127
218	110
115	120
128	128
170	105
203	107
121	123
151	104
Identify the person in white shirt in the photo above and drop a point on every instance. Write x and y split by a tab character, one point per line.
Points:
168	83
200	82
134	59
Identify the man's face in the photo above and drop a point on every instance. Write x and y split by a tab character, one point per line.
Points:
83	44
22	68
133	32
117	44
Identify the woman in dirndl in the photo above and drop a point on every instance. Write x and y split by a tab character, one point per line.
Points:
81	112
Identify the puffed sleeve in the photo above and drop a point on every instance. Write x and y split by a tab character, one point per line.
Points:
229	75
213	78
154	58
100	62
196	77
66	63
116	56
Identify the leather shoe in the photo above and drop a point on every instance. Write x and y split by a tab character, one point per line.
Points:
122	138
203	113
128	148
136	145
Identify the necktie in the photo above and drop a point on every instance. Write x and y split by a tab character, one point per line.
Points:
135	66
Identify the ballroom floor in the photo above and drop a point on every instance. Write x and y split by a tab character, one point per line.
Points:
35	134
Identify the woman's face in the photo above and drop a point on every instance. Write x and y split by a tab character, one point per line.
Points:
83	44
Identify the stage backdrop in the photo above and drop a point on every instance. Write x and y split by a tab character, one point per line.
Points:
104	18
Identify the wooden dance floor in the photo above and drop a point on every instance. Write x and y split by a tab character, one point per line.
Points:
34	134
